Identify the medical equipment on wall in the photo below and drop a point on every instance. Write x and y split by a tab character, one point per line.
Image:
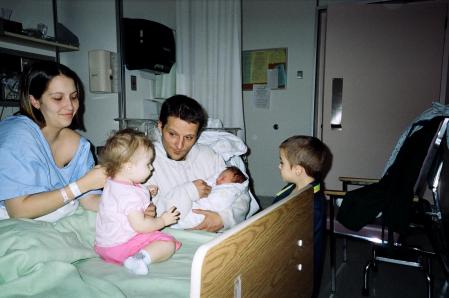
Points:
103	71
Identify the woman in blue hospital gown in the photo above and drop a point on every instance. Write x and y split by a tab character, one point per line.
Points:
46	168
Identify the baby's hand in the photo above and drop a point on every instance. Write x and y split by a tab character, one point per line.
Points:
171	216
153	190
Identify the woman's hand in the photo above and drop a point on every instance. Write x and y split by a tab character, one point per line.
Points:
212	221
94	179
39	204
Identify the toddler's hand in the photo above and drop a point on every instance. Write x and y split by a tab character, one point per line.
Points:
171	216
153	190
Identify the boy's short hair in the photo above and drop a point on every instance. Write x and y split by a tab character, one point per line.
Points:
310	153
184	108
238	177
120	147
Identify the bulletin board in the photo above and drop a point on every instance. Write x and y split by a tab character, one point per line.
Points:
267	66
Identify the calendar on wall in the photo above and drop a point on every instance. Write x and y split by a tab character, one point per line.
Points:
267	66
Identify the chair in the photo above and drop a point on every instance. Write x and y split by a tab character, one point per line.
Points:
373	232
438	217
416	168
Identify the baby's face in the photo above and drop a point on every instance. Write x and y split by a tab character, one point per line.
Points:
225	177
142	165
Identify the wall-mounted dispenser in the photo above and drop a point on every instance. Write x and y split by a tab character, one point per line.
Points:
103	71
148	45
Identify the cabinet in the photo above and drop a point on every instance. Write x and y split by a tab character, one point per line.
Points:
14	61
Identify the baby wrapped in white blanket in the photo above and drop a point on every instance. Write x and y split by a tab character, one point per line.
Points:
227	186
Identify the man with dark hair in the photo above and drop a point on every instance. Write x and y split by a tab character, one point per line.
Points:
182	165
185	108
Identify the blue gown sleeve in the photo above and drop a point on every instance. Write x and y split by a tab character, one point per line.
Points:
23	162
27	165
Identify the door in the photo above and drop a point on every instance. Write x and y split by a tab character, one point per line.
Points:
381	67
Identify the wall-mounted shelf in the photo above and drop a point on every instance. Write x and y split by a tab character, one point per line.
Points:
36	42
11	68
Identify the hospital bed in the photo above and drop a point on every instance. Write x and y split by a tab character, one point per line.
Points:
268	255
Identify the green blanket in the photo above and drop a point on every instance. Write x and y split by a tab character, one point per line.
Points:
41	259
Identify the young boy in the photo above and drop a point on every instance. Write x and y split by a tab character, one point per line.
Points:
304	161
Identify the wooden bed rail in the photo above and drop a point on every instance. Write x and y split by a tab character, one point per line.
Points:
268	255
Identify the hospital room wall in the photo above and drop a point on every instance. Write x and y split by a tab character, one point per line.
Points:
83	18
24	11
268	24
94	22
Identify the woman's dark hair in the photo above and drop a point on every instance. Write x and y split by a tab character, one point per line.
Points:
185	108
35	81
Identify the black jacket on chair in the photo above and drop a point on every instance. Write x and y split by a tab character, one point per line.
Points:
393	194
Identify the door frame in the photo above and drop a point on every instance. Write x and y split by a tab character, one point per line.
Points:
320	64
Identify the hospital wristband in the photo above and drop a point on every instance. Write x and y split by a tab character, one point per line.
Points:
75	189
64	195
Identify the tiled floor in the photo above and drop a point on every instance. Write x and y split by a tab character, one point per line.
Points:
390	280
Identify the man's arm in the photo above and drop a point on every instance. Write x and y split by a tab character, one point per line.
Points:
180	196
180	183
212	221
238	211
233	211
220	198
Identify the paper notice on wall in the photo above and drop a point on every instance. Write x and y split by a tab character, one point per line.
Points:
261	96
273	78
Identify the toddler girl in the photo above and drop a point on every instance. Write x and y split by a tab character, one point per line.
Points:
124	234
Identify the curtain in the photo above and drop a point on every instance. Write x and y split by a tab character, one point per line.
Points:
208	55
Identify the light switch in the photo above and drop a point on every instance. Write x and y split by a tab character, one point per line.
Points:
133	83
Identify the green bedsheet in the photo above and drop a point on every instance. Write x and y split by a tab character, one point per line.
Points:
41	259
